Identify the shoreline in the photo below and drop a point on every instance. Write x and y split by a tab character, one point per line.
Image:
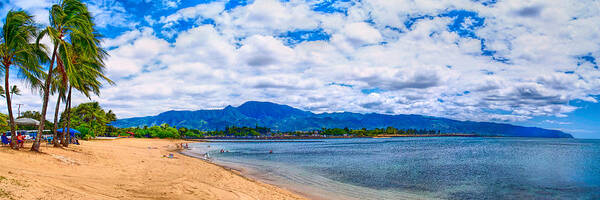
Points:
246	174
294	137
325	188
127	168
243	172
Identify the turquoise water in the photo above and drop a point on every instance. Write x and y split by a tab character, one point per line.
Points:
445	168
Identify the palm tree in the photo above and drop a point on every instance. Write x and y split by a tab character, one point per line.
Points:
110	116
16	49
58	86
13	91
83	74
70	25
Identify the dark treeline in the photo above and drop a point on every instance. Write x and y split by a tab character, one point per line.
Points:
167	131
378	131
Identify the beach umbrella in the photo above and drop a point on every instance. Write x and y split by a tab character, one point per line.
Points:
71	131
27	122
60	130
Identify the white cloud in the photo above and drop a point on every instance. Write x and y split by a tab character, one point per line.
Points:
149	20
201	10
361	33
134	55
171	3
110	13
259	51
204	44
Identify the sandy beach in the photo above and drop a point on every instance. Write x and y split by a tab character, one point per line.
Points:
123	169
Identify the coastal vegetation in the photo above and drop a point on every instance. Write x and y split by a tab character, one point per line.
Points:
4	123
167	131
379	131
89	119
19	52
76	61
74	40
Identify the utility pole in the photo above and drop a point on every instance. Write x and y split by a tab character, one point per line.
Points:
19	112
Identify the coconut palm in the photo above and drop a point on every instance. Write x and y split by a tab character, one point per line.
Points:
58	87
14	90
17	50
70	25
83	74
110	116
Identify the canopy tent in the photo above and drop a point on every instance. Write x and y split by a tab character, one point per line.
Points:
27	122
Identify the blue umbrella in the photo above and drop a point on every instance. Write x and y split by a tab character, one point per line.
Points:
71	131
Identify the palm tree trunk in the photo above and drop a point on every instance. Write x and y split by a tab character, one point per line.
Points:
54	139
62	134
64	127
36	143
9	106
68	140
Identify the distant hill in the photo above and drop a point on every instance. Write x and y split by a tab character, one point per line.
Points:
286	118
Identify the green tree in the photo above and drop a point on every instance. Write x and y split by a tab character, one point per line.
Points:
110	116
13	91
254	133
70	25
83	74
89	116
17	50
58	86
391	130
3	123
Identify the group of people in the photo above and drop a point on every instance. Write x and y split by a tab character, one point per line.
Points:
183	146
20	140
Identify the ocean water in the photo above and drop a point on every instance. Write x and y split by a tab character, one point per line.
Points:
420	168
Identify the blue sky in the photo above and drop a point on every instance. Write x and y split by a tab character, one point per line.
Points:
532	63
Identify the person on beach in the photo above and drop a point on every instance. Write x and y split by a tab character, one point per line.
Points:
5	140
74	139
20	140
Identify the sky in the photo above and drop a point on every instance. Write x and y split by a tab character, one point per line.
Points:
531	63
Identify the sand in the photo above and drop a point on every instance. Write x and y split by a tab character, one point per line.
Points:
122	169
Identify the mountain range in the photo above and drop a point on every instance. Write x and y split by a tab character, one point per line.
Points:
285	118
